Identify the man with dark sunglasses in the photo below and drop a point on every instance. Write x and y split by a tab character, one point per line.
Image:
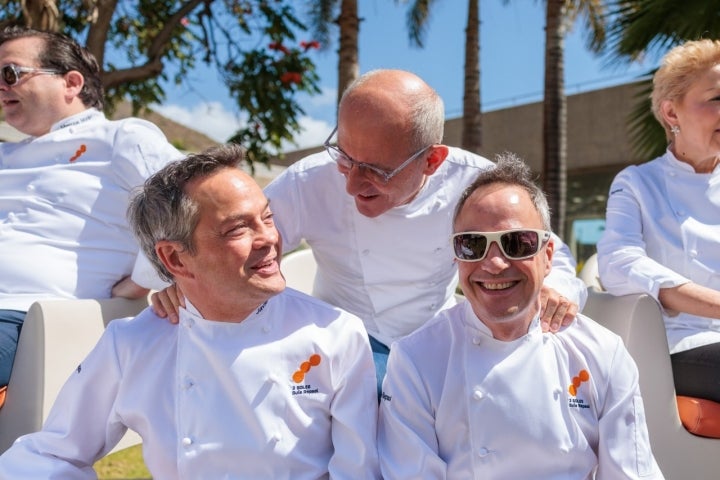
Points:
65	188
482	392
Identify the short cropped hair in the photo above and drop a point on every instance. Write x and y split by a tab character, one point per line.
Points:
64	54
510	170
679	69
162	209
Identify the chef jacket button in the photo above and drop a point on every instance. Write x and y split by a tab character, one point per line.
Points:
366	252
188	383
31	187
276	437
266	328
272	378
187	441
11	216
483	452
478	394
693	253
476	340
433	306
189	322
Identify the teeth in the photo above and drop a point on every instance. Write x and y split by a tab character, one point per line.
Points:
497	286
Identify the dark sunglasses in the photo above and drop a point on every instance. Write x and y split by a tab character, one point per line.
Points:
11	73
514	244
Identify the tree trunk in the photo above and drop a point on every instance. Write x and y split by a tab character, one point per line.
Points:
41	14
349	23
472	116
555	116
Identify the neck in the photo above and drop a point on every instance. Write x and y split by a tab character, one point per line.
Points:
705	165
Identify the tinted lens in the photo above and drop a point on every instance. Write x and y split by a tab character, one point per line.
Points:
523	243
9	75
470	246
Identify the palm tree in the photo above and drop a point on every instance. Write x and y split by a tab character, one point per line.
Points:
642	28
560	15
417	18
322	14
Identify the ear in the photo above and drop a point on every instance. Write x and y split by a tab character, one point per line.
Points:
173	257
74	82
668	112
438	154
549	250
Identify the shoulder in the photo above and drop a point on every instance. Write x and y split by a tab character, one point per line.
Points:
590	336
140	330
438	332
308	310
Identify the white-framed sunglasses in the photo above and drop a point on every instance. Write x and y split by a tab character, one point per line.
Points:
516	244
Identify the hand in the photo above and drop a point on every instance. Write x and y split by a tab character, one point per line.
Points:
167	303
555	310
126	288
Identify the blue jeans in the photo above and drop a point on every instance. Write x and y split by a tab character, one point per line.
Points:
380	353
10	324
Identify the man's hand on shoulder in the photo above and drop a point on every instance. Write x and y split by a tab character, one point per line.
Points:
555	310
166	303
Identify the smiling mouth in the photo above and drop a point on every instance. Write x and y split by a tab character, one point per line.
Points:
497	286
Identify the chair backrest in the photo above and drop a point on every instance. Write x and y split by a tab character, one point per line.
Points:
638	320
589	273
299	269
56	336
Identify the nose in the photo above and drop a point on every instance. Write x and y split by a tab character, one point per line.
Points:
494	261
355	180
265	235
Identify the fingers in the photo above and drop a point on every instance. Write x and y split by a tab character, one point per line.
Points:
556	310
167	303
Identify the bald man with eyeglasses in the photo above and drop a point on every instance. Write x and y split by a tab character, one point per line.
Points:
482	392
65	188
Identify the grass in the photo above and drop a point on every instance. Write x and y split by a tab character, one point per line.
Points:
126	464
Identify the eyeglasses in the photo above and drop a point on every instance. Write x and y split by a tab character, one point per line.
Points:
347	163
11	73
514	244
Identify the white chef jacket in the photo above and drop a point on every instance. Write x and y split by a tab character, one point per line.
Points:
663	230
63	201
394	271
457	403
216	400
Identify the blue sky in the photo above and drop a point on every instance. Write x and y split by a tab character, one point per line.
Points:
511	57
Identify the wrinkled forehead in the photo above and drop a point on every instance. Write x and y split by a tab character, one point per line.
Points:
497	207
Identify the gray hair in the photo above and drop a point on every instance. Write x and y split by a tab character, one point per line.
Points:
162	210
426	108
510	170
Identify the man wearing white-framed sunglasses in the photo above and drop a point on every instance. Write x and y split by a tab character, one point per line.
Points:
482	392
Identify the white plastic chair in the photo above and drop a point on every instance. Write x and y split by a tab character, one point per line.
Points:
638	320
299	268
56	336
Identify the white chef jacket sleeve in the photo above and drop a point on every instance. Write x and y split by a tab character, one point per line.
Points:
624	443
407	442
139	150
563	276
287	207
623	264
81	427
354	410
